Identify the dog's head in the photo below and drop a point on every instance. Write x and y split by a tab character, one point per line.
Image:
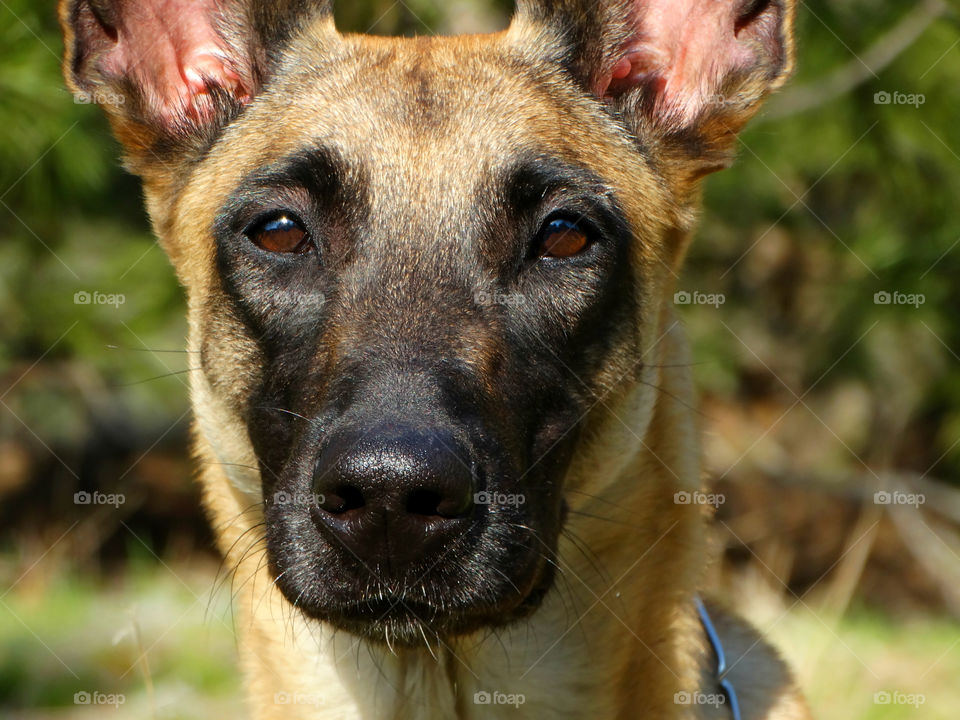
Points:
416	265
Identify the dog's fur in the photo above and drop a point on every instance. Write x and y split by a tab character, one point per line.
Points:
423	161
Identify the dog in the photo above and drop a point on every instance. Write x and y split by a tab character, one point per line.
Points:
442	400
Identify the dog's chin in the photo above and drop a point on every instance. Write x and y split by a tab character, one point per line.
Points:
396	621
399	623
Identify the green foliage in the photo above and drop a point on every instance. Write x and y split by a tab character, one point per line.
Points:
828	207
72	221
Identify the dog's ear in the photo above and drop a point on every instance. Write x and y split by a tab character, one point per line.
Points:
171	73
694	71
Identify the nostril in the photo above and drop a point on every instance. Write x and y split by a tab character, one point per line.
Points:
343	498
424	502
431	503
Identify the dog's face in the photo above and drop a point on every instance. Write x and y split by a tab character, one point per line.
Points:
456	276
415	266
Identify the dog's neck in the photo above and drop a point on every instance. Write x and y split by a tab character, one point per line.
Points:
643	565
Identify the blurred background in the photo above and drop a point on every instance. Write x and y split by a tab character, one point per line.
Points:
822	297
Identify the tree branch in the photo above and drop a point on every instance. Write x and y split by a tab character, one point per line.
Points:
860	70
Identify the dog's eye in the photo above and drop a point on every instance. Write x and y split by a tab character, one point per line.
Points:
562	238
280	233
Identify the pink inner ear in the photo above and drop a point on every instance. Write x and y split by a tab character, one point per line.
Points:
685	48
171	51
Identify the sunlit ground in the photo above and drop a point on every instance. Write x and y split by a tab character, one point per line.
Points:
159	641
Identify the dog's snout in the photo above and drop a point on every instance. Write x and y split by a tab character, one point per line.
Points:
393	495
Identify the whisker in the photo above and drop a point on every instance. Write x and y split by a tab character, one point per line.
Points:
598	497
688	406
217	582
589	555
175	373
604	519
152	351
288	412
564	588
427	642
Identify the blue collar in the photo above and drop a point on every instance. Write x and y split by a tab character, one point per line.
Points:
726	687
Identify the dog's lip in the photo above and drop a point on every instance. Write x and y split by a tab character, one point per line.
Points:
376	610
377	607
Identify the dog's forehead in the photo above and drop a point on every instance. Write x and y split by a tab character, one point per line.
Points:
404	108
423	114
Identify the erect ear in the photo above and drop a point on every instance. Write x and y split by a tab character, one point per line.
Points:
170	73
694	70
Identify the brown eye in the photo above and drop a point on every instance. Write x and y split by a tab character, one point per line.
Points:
562	239
280	234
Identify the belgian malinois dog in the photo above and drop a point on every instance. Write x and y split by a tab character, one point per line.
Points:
442	399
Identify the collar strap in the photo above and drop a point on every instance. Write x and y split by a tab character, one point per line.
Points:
726	687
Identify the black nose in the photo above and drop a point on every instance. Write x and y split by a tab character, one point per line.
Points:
394	495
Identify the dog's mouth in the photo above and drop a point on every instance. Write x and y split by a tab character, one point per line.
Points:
405	620
495	573
461	595
394	620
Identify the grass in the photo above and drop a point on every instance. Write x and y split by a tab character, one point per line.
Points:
157	638
863	664
871	668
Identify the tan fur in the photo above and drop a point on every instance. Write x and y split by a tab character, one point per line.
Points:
618	637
